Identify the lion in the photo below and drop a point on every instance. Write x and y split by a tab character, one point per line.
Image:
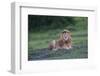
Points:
63	42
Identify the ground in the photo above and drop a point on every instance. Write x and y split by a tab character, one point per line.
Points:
38	46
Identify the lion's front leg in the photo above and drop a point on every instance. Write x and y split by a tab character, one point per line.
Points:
68	46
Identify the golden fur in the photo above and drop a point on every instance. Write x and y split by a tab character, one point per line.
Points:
63	42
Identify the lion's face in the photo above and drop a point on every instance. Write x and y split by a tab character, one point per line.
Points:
65	36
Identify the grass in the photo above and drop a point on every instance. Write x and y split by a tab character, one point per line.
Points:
38	45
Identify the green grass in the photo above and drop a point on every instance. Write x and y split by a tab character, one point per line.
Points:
41	40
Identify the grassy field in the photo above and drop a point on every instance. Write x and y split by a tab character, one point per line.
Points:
38	45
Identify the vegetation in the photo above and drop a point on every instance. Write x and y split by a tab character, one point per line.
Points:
43	29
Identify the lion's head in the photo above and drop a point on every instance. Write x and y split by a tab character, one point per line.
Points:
65	35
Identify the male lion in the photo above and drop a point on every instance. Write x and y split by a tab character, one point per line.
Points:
63	42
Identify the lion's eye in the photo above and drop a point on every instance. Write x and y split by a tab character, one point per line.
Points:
65	35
